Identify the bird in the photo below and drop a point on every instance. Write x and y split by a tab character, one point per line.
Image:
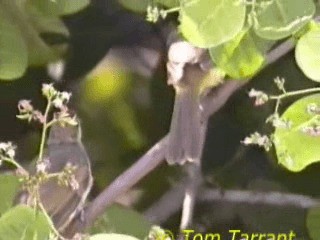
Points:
191	73
64	148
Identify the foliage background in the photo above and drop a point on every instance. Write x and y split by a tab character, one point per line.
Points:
124	112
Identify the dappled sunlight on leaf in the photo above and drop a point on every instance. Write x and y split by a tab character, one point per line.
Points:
296	149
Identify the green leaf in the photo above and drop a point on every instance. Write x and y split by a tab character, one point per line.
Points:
13	50
39	52
21	223
168	3
282	18
46	24
313	223
112	236
141	5
9	186
296	149
135	5
307	54
208	23
59	7
73	6
122	220
243	56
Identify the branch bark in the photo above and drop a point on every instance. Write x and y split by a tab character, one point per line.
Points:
170	203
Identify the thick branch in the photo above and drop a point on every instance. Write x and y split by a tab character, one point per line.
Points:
120	185
126	180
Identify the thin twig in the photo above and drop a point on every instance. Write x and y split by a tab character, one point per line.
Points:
44	130
253	197
125	181
194	174
157	215
194	182
167	205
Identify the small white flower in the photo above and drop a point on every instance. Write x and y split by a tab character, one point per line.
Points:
313	108
43	165
73	183
11	153
24	106
260	97
247	141
258	139
7	149
58	103
280	83
3	146
48	90
65	96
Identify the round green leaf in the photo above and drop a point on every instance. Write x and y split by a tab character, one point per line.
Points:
112	236
59	7
241	57
208	23
168	3
295	148
17	13
46	24
122	220
135	5
9	185
21	222
282	18
313	223
13	50
307	54
73	6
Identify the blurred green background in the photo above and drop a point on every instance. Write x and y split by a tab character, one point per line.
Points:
115	69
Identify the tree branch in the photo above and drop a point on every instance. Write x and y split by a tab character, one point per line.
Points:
170	203
143	166
125	181
254	197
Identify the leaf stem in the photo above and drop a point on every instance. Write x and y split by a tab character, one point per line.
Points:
277	106
171	10
52	122
44	131
53	228
294	93
13	162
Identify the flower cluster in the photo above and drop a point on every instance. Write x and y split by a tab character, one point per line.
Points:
313	109
311	126
154	13
260	97
280	84
56	112
258	139
55	98
27	112
7	151
157	233
312	130
278	122
67	177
